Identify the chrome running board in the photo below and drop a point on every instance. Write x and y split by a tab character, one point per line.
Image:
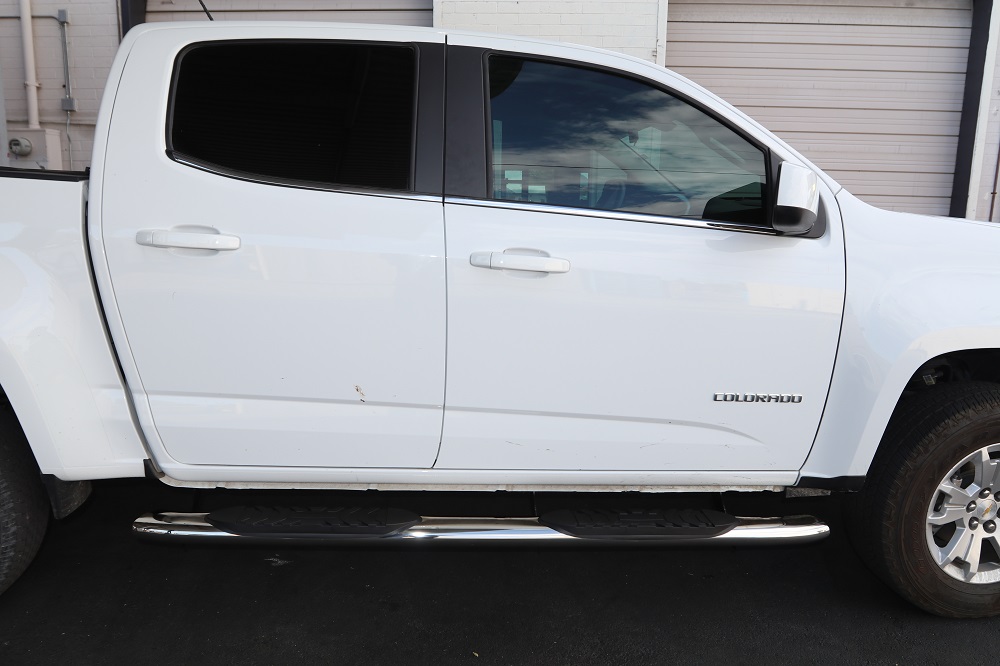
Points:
748	531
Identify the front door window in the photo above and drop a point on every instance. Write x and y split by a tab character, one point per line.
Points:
569	136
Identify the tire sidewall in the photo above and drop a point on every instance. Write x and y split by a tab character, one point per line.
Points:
24	506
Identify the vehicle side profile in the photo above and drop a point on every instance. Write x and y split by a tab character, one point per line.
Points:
379	258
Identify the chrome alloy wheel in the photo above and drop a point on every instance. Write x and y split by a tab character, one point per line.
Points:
962	519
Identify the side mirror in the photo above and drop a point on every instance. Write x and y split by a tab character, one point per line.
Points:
797	206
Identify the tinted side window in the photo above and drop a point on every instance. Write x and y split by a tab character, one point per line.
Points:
323	112
570	136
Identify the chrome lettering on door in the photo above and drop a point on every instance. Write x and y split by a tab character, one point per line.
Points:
758	397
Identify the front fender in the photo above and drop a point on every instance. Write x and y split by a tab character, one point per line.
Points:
917	287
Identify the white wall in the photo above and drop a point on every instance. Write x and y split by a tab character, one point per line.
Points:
93	41
635	27
396	12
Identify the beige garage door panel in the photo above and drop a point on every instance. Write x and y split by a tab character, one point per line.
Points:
864	35
845	152
860	121
815	89
870	91
933	13
397	12
836	57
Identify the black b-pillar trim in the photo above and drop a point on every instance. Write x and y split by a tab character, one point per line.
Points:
982	11
428	171
133	12
466	169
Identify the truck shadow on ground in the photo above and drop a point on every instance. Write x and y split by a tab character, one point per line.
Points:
97	595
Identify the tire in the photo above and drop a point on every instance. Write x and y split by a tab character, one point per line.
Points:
24	507
924	522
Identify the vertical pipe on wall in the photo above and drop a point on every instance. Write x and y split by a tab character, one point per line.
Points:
996	183
4	160
69	103
30	77
661	33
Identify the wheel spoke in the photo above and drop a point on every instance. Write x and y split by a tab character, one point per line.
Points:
971	557
985	468
949	513
952	489
957	547
991	475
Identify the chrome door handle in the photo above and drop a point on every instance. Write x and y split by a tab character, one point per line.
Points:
502	261
188	240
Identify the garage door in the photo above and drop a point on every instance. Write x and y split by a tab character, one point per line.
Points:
870	91
398	12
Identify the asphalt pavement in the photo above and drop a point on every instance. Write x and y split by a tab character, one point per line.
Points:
97	595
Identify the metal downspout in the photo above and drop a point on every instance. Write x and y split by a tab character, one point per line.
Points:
4	160
30	77
996	181
68	102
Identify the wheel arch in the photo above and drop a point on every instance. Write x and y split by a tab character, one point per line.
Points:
958	366
57	367
844	467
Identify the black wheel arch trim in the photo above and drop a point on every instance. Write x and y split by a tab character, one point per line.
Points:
837	483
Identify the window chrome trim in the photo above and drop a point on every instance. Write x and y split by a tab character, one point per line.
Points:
296	184
611	215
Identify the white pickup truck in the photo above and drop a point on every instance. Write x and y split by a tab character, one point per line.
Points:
315	256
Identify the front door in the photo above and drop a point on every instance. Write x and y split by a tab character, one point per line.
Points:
619	302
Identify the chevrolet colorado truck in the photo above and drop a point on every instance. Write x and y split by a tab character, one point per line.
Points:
372	258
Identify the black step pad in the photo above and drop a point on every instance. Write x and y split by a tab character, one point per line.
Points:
639	523
313	521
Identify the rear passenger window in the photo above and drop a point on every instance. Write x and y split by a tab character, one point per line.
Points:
327	113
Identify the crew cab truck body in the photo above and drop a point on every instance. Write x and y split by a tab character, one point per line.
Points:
354	257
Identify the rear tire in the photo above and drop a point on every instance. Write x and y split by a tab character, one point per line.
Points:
925	521
24	507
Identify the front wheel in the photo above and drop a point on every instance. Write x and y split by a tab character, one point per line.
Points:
927	517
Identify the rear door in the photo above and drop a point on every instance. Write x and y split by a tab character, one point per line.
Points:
273	234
